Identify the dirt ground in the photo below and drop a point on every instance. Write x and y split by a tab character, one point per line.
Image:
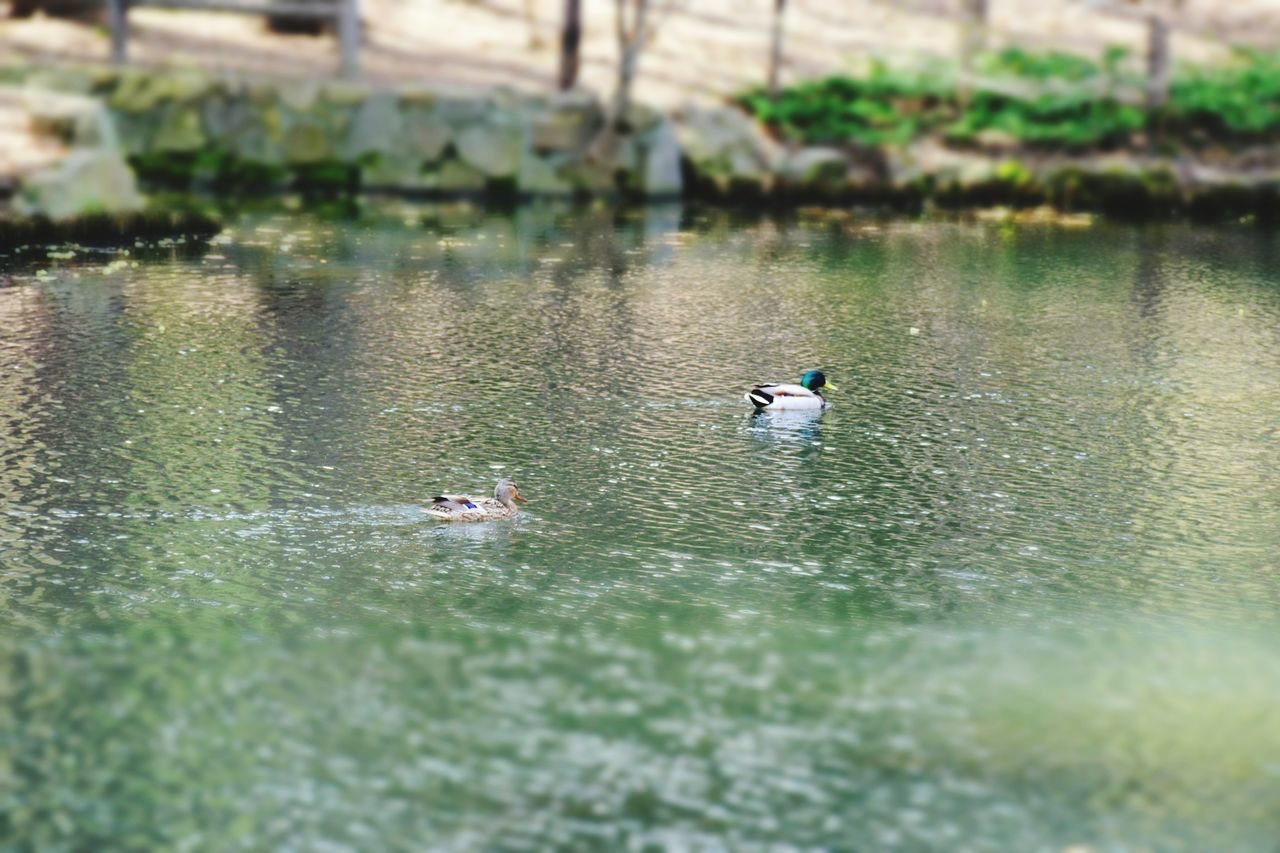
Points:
702	49
21	151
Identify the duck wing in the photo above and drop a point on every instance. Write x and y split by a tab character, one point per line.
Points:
786	390
764	395
452	503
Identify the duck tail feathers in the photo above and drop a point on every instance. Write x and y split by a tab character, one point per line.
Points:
759	397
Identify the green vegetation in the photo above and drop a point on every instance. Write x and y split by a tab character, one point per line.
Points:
1051	100
1061	119
1241	100
218	169
887	106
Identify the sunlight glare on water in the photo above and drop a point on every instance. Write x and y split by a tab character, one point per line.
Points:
1017	589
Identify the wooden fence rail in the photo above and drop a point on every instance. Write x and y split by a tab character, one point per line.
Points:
344	13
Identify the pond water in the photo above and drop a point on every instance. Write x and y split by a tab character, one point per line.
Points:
1017	589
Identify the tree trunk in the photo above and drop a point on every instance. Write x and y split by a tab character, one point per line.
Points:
631	39
1157	62
630	44
973	40
633	32
775	47
570	43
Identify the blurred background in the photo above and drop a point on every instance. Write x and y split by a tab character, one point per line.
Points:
700	49
905	99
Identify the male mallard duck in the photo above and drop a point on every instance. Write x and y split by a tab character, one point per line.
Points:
806	395
462	508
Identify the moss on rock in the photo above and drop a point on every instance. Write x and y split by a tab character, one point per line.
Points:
1150	193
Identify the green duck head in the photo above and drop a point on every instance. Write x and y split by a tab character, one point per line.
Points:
815	379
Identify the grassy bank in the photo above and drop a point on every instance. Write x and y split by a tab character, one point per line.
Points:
1051	101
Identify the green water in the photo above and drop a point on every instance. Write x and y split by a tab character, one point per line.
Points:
1017	590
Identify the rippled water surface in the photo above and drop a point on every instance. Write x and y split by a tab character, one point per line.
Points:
1017	590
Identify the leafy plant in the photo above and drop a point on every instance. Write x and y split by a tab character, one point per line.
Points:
1054	65
1241	99
1072	119
887	106
1053	100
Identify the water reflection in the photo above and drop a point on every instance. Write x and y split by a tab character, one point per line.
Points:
785	426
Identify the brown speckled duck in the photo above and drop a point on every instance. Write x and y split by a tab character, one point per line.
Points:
463	508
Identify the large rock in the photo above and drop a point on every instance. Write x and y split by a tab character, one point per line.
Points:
259	137
75	120
727	149
566	122
746	166
709	133
660	174
224	117
85	181
376	127
565	128
310	137
455	176
69	79
641	118
540	176
142	91
625	159
344	93
966	170
425	135
417	95
313	129
393	172
179	129
307	142
1118	188
299	95
459	111
931	161
493	147
590	176
817	167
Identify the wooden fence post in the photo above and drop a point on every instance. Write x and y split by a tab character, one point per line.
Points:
119	30
349	37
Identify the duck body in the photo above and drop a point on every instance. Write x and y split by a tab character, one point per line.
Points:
806	395
464	508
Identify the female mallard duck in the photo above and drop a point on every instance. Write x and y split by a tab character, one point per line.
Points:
806	395
462	508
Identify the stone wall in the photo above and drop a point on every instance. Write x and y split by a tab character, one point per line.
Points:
195	130
730	158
